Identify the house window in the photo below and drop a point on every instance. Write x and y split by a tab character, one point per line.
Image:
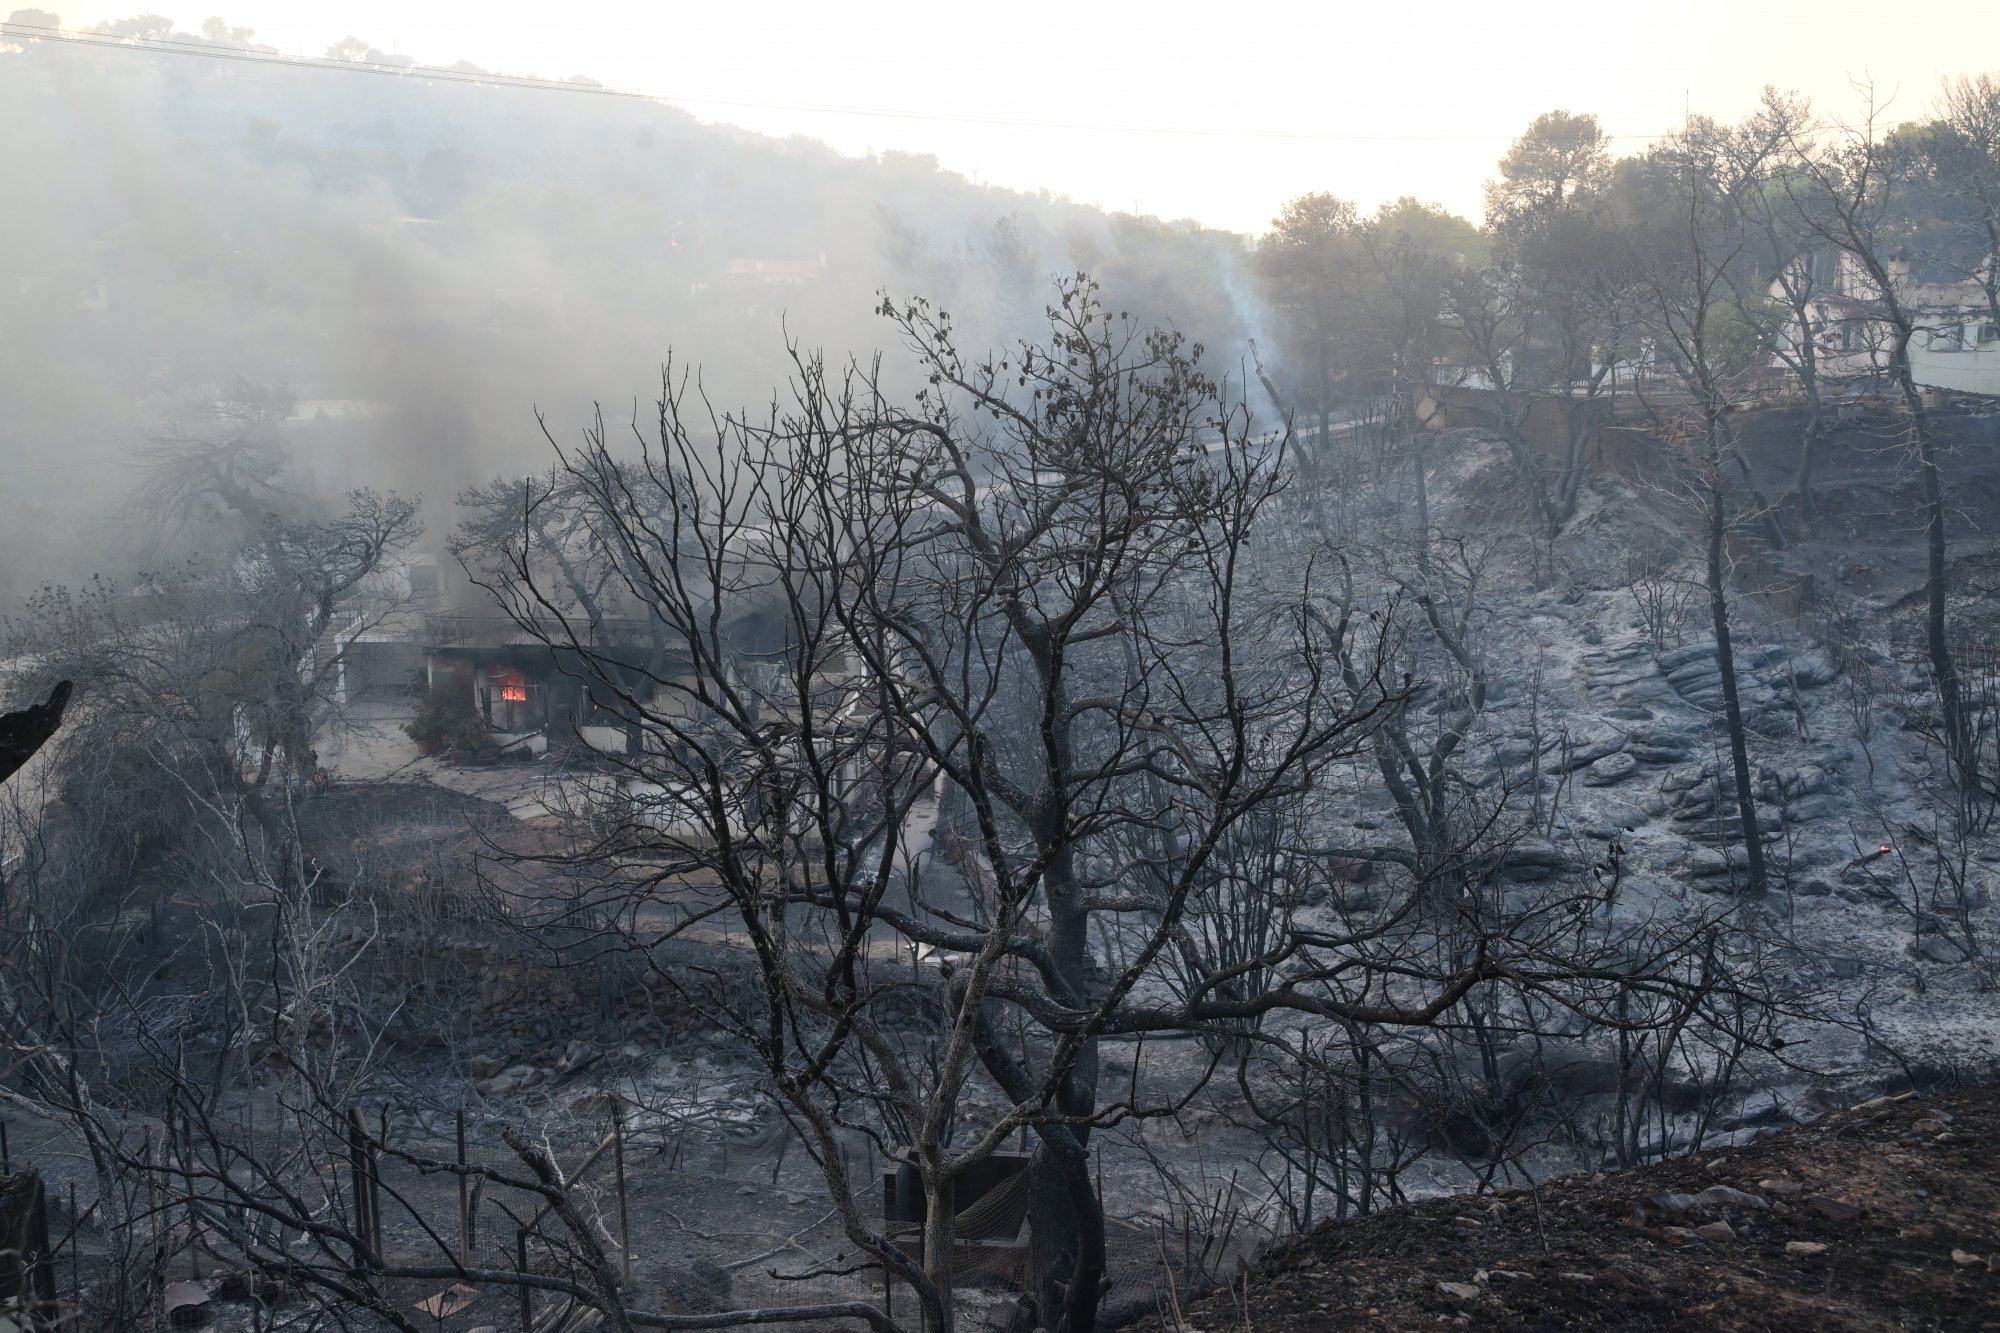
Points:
515	703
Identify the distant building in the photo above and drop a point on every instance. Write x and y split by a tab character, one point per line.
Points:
1957	343
522	311
774	272
522	680
747	278
338	409
536	677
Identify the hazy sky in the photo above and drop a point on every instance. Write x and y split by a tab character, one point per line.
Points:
1218	111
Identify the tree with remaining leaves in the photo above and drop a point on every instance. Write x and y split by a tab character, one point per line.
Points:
1963	160
1407	257
1364	301
1556	166
1792	314
1303	268
1548	321
1489	313
1564	244
1408	253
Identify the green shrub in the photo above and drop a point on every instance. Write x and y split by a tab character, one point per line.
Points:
447	719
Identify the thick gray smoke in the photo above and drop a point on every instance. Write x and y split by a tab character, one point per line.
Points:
424	264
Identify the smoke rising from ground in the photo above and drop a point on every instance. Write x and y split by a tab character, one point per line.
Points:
423	265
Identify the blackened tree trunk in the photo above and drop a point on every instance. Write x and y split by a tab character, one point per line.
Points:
1725	660
1324	445
1856	182
1944	670
1809	440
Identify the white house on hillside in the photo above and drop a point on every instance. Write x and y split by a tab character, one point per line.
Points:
1957	345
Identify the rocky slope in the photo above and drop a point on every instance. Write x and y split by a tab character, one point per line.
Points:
1881	910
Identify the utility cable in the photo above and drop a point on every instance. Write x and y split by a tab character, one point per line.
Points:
526	83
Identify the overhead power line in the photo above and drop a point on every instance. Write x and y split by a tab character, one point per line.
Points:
62	467
443	74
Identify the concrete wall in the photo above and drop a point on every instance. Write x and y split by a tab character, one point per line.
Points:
1975	368
1636	455
1545	425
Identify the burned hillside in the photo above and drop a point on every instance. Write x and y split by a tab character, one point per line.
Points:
1394	769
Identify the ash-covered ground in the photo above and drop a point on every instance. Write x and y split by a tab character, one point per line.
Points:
1602	719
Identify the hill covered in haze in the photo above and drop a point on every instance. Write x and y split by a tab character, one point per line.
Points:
423	262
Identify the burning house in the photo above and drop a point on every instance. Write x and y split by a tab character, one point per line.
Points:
535	679
523	680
